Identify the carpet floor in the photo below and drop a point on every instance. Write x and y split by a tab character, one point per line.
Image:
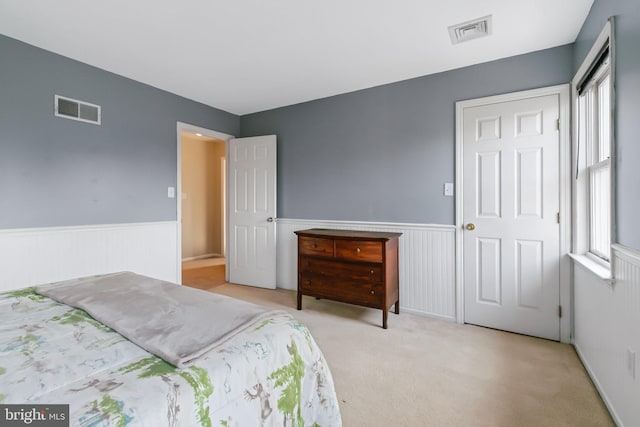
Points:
429	372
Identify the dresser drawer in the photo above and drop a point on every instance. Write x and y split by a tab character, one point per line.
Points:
359	250
315	246
331	268
352	291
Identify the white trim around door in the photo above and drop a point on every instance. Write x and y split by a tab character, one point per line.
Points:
565	196
185	127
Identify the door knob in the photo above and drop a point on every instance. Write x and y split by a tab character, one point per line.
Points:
471	226
270	219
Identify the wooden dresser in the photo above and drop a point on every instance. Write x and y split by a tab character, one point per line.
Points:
357	267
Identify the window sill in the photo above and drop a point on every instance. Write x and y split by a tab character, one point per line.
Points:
597	269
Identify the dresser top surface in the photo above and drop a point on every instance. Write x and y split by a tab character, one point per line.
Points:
347	234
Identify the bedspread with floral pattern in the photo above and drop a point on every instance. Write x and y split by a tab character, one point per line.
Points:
273	374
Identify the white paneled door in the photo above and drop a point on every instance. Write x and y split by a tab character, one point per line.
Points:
511	240
252	211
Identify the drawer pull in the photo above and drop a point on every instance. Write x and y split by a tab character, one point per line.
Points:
373	292
357	250
307	282
372	272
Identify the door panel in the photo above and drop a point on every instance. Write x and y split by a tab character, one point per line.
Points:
529	273
489	273
511	195
489	180
529	182
252	173
240	243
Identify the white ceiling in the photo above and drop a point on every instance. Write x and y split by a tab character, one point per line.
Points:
244	56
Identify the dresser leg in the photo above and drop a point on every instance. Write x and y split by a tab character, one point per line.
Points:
384	318
397	307
299	301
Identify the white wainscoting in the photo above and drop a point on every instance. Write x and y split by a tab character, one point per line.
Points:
606	328
41	255
426	262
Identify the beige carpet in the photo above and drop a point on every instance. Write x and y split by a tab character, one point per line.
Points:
429	372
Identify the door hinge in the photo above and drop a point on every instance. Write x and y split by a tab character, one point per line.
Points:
558	124
559	311
558	217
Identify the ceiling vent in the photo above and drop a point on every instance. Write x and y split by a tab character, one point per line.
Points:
470	30
77	110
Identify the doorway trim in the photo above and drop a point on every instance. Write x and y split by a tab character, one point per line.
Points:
186	127
565	196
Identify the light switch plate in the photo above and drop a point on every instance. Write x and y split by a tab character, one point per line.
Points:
448	188
171	192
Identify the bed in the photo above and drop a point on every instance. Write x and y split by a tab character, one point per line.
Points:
265	371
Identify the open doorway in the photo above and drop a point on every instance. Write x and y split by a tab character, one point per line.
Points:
202	207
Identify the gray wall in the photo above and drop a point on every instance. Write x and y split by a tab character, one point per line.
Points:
56	172
627	105
383	154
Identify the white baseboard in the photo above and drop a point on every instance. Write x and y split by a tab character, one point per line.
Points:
205	256
426	262
35	256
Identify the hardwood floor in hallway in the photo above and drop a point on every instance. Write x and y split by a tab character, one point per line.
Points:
205	278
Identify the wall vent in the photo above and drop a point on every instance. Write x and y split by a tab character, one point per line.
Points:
77	110
470	30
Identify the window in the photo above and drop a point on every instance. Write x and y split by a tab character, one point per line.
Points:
593	85
595	109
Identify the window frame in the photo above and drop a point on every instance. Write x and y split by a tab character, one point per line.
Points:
588	144
596	159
